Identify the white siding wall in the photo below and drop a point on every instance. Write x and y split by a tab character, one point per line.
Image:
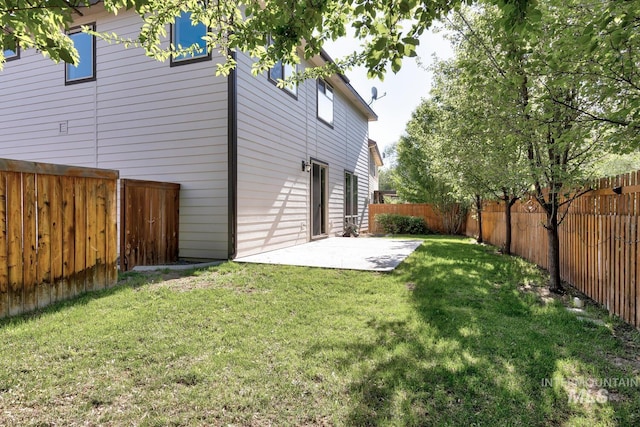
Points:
144	118
275	133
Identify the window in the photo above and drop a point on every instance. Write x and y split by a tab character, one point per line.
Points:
85	44
282	71
372	165
185	35
10	55
350	197
325	102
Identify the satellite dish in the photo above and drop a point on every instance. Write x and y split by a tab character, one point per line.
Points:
374	95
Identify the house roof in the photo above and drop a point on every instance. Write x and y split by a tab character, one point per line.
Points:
341	82
373	148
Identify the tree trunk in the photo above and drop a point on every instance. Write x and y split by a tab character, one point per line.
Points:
479	210
555	284
507	224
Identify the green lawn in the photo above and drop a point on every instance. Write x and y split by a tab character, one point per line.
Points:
449	338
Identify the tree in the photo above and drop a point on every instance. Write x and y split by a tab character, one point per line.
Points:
478	145
547	106
389	30
422	175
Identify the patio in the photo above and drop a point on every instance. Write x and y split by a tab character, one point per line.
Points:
363	253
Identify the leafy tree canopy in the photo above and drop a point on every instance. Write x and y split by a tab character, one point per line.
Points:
389	30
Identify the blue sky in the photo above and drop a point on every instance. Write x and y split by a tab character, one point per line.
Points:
403	90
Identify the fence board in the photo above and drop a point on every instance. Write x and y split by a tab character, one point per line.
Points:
101	236
4	261
90	238
43	256
80	220
14	241
68	237
29	241
112	232
52	233
56	243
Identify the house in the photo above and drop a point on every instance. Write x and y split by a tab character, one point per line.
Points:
375	163
260	167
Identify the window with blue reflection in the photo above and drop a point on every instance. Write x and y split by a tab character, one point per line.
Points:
85	44
10	54
184	35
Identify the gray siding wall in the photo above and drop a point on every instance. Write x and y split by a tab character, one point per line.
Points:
144	118
276	132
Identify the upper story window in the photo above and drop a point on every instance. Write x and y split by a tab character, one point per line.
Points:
282	71
186	35
325	102
373	168
85	44
11	55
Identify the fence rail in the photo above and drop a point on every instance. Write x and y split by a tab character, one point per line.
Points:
58	233
149	218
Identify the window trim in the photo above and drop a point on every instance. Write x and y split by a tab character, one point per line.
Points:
326	84
174	62
289	91
351	215
76	30
14	57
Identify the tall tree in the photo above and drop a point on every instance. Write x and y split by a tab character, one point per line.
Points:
540	76
478	146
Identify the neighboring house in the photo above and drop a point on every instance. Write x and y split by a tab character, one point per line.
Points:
375	163
260	167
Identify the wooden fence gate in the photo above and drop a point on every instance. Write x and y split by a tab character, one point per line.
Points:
149	214
58	234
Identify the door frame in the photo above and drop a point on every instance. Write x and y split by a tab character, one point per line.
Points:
324	219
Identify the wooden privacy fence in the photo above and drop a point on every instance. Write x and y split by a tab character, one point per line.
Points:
58	233
435	221
599	237
149	215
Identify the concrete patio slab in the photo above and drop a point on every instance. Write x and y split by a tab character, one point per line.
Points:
362	253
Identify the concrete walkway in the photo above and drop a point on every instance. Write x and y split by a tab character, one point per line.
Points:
362	253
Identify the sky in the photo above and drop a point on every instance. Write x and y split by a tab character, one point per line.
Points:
404	90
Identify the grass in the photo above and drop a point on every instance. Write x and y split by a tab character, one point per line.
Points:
449	338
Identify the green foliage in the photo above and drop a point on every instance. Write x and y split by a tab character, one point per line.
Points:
389	30
402	224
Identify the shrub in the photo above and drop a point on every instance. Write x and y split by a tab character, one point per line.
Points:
402	224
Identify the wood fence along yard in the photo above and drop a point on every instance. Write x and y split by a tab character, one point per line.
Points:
57	233
599	238
434	220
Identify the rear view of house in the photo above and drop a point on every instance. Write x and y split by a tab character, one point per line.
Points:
260	167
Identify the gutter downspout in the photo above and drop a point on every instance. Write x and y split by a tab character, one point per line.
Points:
232	162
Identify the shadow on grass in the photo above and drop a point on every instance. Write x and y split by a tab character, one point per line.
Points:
476	351
128	280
